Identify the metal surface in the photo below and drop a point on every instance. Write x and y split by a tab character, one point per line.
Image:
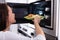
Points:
54	19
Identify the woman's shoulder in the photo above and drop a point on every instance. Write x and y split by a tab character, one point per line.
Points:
8	35
11	33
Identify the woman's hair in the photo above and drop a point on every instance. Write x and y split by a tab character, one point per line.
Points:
3	16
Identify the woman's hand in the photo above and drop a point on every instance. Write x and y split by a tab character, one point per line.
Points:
37	19
38	28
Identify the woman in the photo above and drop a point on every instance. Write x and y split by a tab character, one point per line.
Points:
7	17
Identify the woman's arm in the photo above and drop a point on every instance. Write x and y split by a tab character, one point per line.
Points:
39	31
37	26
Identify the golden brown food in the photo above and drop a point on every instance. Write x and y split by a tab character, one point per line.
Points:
32	16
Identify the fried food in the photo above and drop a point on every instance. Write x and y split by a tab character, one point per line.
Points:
32	16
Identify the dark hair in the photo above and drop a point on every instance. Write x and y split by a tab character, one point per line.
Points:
3	16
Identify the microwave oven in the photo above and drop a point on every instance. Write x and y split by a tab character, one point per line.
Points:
43	8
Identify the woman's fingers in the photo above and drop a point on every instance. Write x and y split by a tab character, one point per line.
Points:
37	19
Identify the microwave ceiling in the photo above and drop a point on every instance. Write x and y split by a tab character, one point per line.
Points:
22	1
